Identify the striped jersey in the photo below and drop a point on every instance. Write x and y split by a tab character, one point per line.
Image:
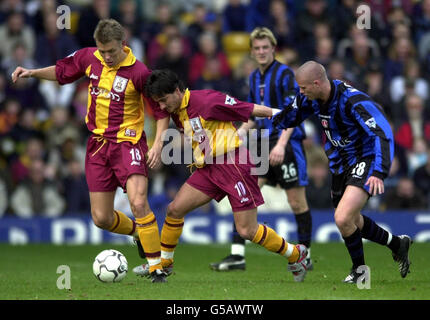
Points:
115	108
355	127
206	117
275	88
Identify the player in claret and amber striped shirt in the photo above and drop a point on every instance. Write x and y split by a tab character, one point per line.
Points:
223	167
117	152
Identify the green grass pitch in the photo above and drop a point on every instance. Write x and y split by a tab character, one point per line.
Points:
30	273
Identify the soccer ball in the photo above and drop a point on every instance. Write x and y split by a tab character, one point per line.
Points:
110	266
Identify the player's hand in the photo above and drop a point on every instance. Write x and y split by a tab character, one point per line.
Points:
376	185
20	72
276	156
154	156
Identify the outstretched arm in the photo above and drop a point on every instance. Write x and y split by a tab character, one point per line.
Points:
154	154
47	73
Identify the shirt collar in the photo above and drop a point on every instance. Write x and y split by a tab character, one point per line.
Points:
129	60
185	100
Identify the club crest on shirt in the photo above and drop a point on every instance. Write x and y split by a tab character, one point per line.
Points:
196	125
324	123
119	84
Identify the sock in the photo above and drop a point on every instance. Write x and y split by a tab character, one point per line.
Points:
149	237
170	234
371	231
304	227
122	224
354	244
238	245
269	239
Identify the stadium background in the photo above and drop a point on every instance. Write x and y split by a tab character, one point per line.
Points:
43	193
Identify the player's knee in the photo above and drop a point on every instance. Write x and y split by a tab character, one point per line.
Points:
102	221
174	211
139	207
342	221
246	232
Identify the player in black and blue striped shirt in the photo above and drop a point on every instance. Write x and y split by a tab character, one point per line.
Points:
273	84
360	149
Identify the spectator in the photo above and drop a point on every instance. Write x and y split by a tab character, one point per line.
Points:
13	31
405	196
421	21
415	126
76	189
207	49
318	189
129	17
24	90
401	51
421	176
53	43
163	16
37	196
324	51
375	88
88	19
359	51
316	11
158	44
196	28
240	83
212	78
20	167
9	116
411	73
234	16
4	197
174	58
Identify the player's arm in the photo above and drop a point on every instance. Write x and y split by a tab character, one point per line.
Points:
154	154
47	73
245	127
370	118
277	154
263	111
295	113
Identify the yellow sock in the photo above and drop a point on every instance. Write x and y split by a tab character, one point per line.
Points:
268	238
149	237
170	234
122	224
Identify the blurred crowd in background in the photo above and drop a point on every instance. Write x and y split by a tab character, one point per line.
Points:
42	125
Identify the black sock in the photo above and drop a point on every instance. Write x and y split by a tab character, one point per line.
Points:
371	231
354	245
304	227
237	239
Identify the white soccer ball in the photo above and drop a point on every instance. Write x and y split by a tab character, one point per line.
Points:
110	266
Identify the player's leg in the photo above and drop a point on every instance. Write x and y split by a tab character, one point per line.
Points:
146	223
347	217
102	185
187	199
297	200
399	245
250	229
236	259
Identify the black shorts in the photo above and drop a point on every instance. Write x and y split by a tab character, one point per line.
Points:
356	175
292	172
